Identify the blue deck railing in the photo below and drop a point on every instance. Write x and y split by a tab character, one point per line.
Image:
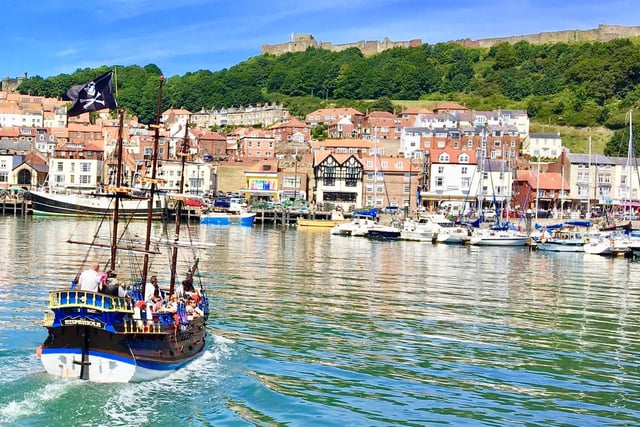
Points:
86	299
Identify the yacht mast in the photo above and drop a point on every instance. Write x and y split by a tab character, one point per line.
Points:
588	214
629	157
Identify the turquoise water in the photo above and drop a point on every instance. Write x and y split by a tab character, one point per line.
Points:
313	329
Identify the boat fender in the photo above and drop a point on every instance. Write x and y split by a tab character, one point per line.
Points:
612	243
39	351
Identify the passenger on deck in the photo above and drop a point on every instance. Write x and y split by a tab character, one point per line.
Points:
90	278
122	290
153	295
193	310
171	306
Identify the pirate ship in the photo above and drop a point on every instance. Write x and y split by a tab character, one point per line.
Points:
116	336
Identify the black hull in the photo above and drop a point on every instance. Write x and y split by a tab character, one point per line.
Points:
55	206
383	235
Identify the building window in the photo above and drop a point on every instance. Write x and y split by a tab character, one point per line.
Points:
4	176
351	179
329	176
85	179
439	182
290	182
464	170
440	169
60	166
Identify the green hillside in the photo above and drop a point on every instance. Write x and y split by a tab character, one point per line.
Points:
572	86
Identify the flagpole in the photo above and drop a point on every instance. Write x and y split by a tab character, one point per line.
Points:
115	81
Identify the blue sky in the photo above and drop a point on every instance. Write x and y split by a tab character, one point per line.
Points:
51	37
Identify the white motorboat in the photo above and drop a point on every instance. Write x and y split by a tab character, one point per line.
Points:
498	237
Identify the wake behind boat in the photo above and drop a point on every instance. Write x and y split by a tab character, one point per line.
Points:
121	326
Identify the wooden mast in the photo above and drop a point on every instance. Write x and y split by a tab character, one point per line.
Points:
152	191
183	153
116	199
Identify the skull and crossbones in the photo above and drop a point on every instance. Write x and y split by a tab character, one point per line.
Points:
93	97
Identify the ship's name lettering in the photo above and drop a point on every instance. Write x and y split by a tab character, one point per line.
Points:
82	322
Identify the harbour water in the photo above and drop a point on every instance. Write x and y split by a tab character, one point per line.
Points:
311	329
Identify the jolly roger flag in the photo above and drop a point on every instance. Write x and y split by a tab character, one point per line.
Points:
93	96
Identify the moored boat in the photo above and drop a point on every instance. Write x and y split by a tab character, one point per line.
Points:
382	232
243	218
97	204
335	218
454	234
498	237
608	245
563	240
424	229
353	227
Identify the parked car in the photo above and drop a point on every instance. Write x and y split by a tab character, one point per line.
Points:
514	213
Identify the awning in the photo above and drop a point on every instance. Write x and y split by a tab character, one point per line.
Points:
444	197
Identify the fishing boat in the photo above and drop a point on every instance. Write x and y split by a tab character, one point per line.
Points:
244	218
117	331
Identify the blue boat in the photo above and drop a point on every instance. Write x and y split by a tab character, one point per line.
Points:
228	218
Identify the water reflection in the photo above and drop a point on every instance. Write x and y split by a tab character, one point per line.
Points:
333	328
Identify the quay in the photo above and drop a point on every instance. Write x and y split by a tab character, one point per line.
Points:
263	216
15	207
288	217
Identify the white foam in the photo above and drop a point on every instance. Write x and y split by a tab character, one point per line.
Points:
33	401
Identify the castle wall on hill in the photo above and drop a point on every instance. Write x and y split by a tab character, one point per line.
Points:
300	43
603	33
11	84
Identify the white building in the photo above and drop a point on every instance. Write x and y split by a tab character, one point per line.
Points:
543	145
75	173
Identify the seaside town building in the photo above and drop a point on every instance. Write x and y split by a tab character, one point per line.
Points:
425	156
